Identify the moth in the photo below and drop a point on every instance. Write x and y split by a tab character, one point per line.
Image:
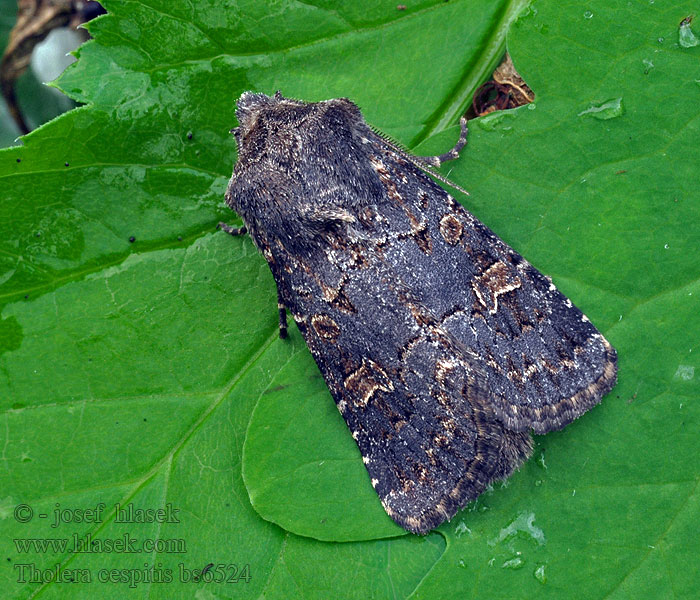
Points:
442	347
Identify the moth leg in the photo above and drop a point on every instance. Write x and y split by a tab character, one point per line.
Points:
232	230
436	161
282	315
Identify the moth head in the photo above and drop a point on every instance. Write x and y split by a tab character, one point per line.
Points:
261	117
258	111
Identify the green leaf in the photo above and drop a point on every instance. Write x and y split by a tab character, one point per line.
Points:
150	372
301	467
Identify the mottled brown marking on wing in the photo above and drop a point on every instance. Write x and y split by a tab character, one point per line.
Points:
367	381
337	297
498	279
385	178
451	229
325	327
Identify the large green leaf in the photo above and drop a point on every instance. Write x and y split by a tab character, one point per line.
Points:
150	372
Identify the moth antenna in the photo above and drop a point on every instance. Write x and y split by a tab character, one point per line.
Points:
427	164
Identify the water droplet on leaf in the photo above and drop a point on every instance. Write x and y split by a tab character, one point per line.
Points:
540	574
513	563
540	459
461	529
497	121
607	110
525	523
684	372
686	37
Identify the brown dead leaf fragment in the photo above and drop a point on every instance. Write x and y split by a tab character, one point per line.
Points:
505	90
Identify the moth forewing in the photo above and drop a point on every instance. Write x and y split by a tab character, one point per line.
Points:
441	346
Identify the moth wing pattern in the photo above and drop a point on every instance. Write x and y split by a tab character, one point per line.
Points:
442	347
546	362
